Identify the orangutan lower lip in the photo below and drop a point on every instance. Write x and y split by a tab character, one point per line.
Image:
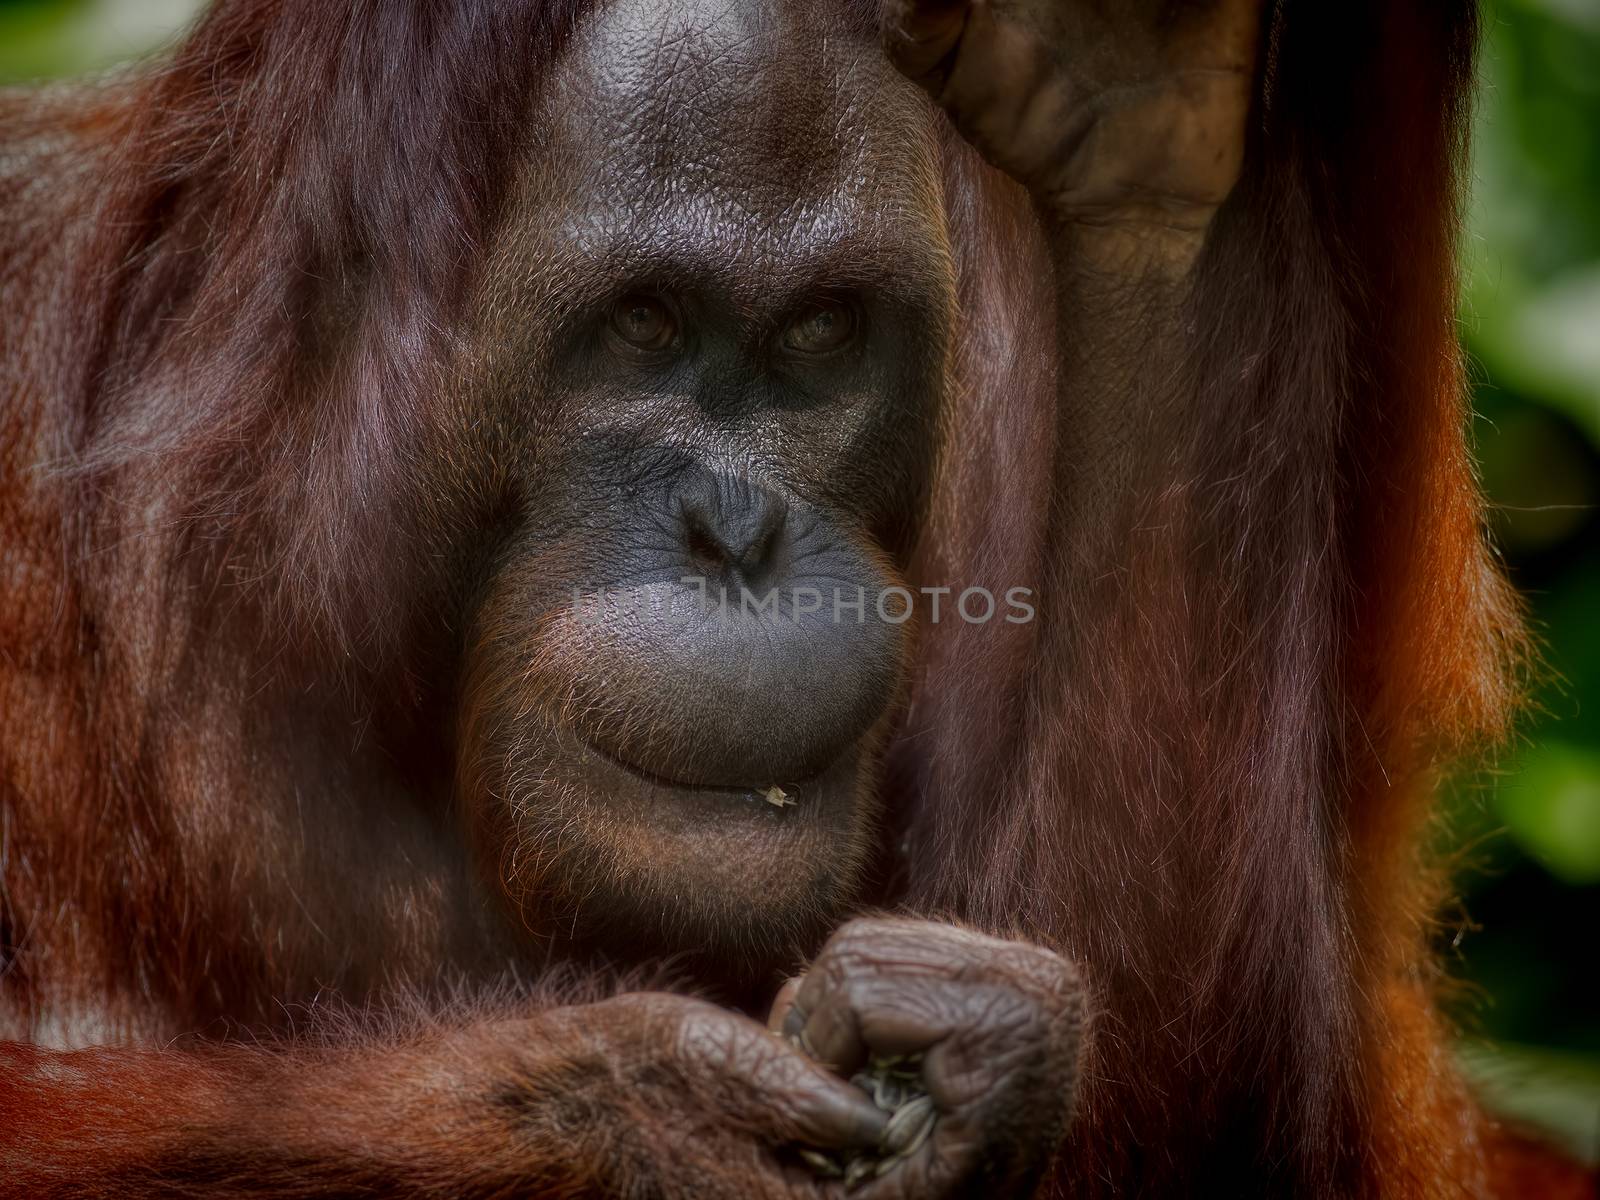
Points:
745	790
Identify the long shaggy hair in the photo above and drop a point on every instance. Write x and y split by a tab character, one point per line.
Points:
1202	772
299	200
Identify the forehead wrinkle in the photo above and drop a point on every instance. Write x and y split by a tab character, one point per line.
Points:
862	203
720	99
697	232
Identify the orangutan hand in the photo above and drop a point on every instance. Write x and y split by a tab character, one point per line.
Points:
1109	113
993	1026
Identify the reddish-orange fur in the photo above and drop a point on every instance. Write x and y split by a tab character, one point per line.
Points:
1331	480
1204	772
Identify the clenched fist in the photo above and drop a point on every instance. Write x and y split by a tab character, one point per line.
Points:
993	1028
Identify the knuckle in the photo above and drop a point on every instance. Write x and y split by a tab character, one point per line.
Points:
1041	969
863	930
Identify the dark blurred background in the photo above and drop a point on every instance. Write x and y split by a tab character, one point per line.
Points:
1525	835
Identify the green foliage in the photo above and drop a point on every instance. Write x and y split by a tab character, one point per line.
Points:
1531	320
1551	805
1533	297
44	39
1535	1087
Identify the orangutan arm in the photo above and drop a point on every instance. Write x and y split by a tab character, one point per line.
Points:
1127	125
645	1094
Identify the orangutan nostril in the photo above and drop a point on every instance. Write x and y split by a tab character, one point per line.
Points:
731	525
704	549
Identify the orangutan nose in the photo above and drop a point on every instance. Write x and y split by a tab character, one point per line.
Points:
732	527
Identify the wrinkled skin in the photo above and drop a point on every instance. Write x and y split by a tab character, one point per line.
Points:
998	1025
1122	114
998	1022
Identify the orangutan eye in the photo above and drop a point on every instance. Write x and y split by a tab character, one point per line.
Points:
643	323
821	328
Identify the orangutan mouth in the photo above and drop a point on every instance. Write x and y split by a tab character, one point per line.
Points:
785	794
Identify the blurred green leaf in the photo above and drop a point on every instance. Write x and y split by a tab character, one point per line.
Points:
43	39
1533	258
1556	1093
1550	802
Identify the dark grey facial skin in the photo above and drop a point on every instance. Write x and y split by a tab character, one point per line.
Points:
776	236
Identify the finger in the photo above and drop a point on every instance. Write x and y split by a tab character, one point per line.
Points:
868	1014
821	1022
789	1096
922	36
782	1003
806	996
832	1036
815	1106
997	1034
